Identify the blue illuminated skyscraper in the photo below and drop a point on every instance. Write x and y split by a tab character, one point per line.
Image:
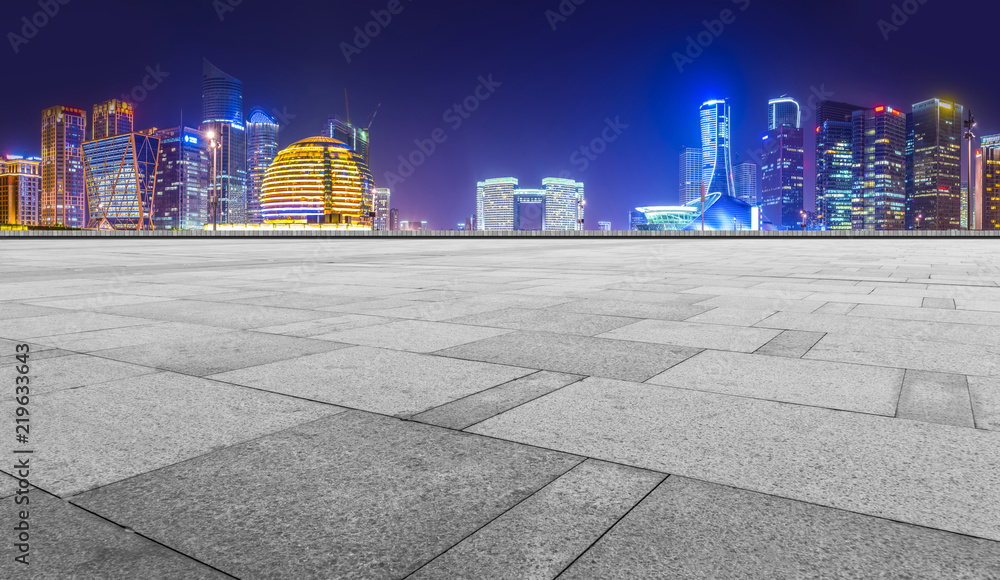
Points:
717	164
262	147
834	164
879	193
121	181
783	167
222	120
182	180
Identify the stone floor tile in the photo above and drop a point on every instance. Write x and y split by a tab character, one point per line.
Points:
928	314
97	301
545	533
152	332
480	406
876	299
382	381
752	303
942	303
10	310
219	353
936	398
638	310
930	475
546	320
791	343
84	438
51	374
413	335
731	316
354	496
856	388
336	323
644	297
224	314
64	323
715	336
926	355
301	301
8	486
982	305
985	394
836	308
580	355
692	529
372	307
66	542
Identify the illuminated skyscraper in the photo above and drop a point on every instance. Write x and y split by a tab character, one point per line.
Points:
558	206
394	220
937	155
745	178
717	165
354	137
182	180
112	118
636	219
691	168
783	112
989	184
495	198
121	181
382	196
783	169
63	200
20	184
604	226
262	147
563	204
834	164
879	158
222	115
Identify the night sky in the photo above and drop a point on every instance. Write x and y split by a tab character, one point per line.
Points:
607	60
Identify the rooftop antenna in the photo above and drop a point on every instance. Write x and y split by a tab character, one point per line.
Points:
372	120
348	105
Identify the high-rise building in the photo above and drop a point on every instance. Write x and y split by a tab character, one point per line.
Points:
355	138
834	164
381	205
937	164
20	184
783	112
564	200
222	120
636	219
745	179
604	226
121	181
63	200
879	159
112	118
262	147
394	220
529	209
182	180
977	191
717	164
495	201
691	169
783	165
989	184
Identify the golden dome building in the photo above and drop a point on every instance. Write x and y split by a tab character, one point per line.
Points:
318	181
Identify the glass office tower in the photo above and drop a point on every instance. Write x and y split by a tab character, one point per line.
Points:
717	165
121	181
834	164
20	184
222	115
262	147
988	203
183	173
63	200
112	118
937	164
879	158
691	169
745	178
783	165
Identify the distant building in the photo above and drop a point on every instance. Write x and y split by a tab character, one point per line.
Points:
783	166
502	206
604	226
183	173
112	118
381	208
529	210
636	218
20	185
564	204
745	179
879	159
834	164
717	165
989	184
691	168
495	201
394	220
470	224
63	200
355	138
222	120
937	162
121	181
262	148
413	226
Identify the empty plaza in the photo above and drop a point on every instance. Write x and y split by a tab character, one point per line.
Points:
503	408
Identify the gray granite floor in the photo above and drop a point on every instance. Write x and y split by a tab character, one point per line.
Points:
675	408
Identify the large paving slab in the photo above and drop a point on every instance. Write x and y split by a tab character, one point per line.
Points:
936	398
931	475
153	332
84	438
377	380
224	314
47	375
547	320
22	329
626	360
715	336
908	352
692	529
67	542
365	497
413	335
985	395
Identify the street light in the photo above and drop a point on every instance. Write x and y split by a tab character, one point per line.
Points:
919	217
803	214
970	124
214	200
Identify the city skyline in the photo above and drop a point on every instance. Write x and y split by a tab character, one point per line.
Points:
637	168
